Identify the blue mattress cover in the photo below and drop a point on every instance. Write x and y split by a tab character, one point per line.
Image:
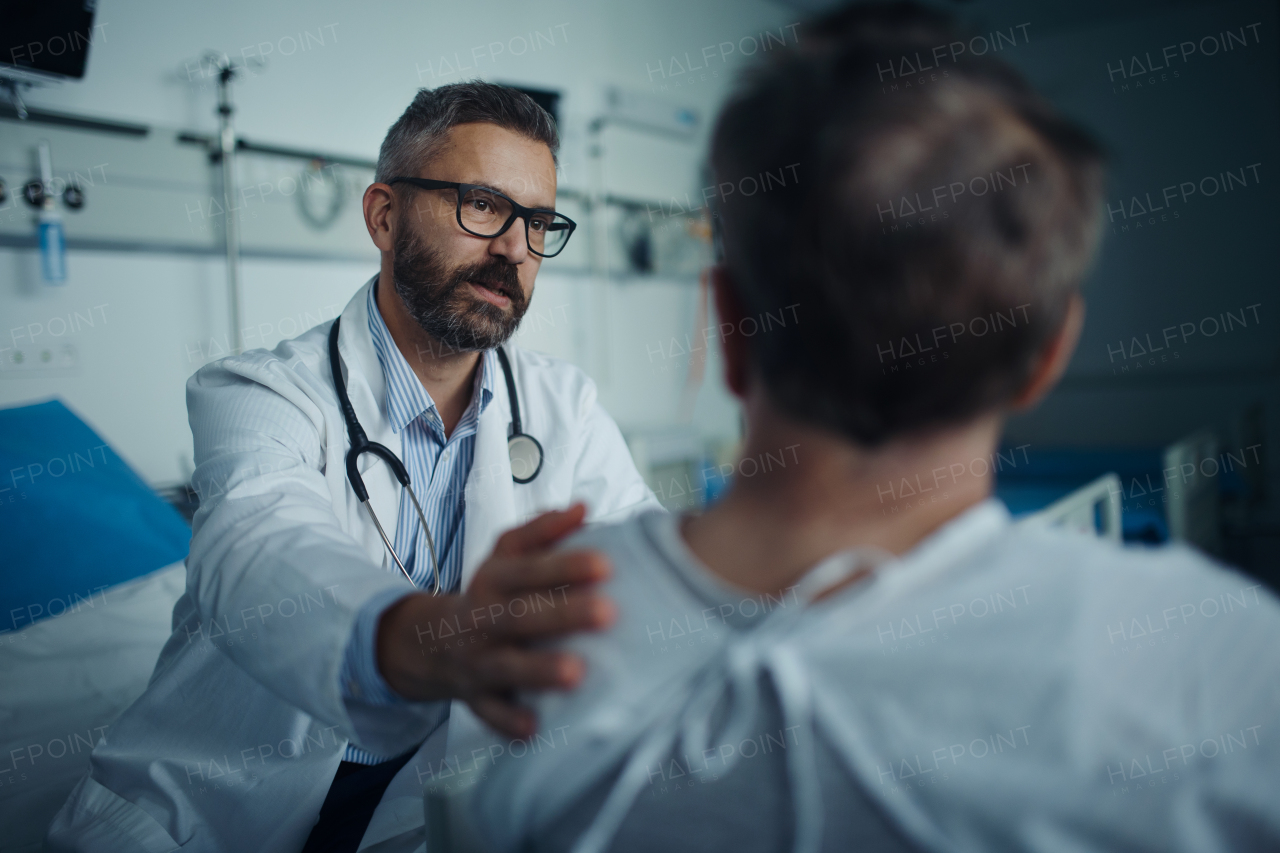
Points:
75	519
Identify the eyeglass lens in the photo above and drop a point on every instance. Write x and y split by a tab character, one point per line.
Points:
484	212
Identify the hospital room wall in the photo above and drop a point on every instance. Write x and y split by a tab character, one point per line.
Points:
157	316
141	324
1183	266
1215	257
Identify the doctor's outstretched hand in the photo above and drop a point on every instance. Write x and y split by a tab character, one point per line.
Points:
477	646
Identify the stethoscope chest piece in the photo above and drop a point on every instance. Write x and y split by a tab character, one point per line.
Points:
526	457
524	449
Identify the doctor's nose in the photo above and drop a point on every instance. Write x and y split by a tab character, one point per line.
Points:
513	245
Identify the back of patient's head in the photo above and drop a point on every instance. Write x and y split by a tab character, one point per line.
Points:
949	209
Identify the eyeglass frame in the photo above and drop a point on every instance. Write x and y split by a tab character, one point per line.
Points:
518	210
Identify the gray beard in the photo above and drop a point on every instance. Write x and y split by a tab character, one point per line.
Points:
439	302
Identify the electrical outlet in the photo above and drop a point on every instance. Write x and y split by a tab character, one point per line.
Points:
29	361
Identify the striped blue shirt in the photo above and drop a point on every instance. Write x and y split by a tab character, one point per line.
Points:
438	470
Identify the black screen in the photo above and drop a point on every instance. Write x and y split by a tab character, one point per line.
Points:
545	98
50	36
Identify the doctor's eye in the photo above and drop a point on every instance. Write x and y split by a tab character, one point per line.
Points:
484	210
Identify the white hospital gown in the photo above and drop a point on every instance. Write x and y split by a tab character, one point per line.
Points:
997	688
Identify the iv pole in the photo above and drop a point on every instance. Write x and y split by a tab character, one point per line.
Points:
231	225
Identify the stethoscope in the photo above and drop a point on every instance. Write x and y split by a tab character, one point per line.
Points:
524	450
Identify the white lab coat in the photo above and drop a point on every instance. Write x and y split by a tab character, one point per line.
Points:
234	743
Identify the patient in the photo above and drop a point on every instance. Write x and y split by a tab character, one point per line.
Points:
855	649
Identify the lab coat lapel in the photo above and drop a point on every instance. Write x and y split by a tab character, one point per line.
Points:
491	508
367	388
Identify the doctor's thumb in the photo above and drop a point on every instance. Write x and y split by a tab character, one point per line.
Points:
541	533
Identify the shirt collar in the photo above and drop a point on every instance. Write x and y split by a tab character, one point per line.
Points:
947	546
407	399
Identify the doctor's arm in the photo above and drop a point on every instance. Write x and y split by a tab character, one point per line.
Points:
277	582
266	537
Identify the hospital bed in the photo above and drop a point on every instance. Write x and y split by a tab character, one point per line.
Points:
1156	494
93	566
1092	509
66	680
1163	494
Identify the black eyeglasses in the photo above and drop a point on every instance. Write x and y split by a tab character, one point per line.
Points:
488	213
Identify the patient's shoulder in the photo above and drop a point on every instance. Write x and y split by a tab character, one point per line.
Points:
607	534
631	545
1167	616
640	652
1066	558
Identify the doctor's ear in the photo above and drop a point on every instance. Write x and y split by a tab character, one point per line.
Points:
379	215
729	310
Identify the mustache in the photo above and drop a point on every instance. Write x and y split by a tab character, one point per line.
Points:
434	294
495	275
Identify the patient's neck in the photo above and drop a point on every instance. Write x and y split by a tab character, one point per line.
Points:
779	518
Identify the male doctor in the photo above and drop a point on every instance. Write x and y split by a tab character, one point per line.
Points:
303	697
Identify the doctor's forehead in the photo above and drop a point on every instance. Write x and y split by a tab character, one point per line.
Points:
483	153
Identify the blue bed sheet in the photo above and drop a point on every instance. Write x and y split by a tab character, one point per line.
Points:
75	520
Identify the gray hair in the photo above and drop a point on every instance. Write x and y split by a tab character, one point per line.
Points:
419	133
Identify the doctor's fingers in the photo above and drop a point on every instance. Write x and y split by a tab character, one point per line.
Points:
501	671
540	533
556	570
505	716
551	613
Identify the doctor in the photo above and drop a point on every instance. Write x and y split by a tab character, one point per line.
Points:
304	695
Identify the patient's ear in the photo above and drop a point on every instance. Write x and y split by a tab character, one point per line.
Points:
1055	358
729	310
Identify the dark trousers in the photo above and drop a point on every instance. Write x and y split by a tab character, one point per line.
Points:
354	794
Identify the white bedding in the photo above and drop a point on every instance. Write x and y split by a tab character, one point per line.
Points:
63	681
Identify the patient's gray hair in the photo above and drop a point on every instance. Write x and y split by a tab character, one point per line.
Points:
419	133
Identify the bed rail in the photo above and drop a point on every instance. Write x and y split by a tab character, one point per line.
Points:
1092	508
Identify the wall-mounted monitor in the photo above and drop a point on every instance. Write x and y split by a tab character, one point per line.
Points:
548	99
47	37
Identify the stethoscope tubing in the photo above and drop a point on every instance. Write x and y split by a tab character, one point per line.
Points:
360	443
